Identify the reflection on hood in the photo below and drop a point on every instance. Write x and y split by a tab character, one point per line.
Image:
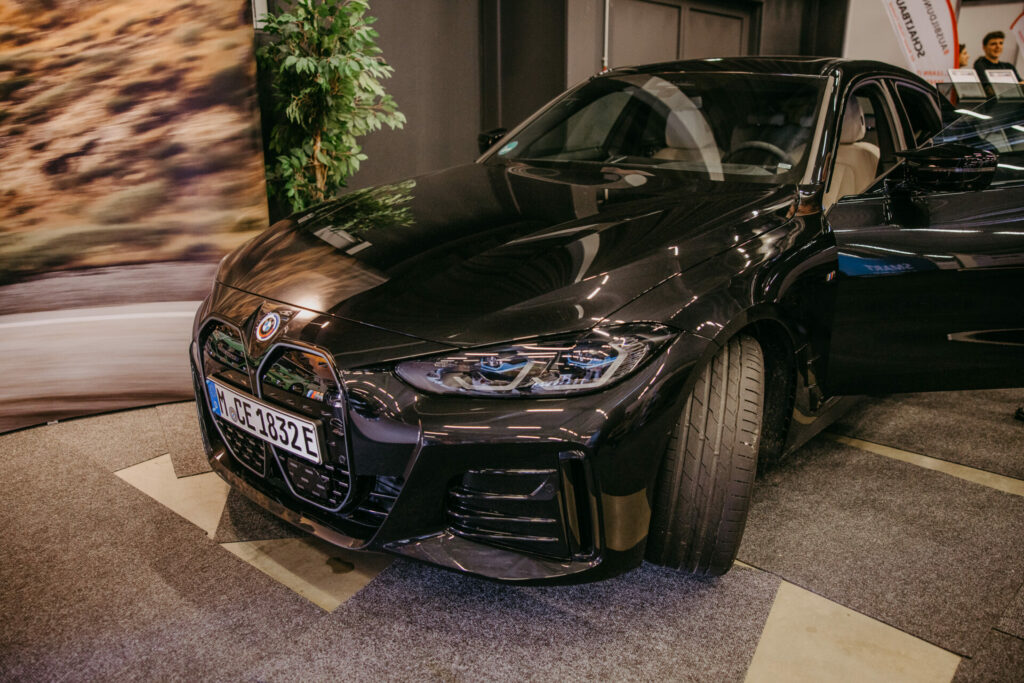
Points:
489	252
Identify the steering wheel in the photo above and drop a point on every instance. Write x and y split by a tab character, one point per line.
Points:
760	145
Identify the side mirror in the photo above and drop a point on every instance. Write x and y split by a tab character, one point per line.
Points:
951	167
487	139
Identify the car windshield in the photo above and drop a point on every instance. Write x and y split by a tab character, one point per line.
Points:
752	128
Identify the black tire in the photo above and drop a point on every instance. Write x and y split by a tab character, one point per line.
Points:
707	474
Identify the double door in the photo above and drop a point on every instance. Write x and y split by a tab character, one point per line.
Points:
644	31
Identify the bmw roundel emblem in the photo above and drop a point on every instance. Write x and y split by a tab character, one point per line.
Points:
268	326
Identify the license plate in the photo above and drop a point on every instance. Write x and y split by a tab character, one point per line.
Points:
282	429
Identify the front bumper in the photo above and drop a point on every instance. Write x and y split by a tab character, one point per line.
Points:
553	490
442	548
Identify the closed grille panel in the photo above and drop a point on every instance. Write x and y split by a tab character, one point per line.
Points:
377	505
314	483
303	382
224	354
249	450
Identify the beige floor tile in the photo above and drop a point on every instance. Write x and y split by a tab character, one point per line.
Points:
809	638
199	499
323	574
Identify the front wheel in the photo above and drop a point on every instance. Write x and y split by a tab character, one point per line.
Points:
707	474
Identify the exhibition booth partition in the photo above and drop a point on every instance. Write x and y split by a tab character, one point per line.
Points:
132	163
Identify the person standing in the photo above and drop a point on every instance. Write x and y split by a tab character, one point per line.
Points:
965	58
992	45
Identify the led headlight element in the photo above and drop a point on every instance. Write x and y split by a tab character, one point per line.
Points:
549	367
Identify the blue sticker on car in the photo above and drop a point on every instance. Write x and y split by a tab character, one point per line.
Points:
211	388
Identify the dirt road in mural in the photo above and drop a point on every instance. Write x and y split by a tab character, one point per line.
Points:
130	162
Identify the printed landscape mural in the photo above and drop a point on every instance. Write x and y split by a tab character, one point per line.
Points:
128	133
130	162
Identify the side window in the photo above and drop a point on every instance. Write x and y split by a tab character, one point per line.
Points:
996	126
923	118
866	147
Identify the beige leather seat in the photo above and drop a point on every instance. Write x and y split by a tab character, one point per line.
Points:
688	138
856	160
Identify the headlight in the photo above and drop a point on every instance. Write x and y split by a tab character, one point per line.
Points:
548	367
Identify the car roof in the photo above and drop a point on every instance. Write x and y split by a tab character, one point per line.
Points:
780	65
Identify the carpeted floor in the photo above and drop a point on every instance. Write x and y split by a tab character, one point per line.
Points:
973	428
246	521
1012	620
112	441
100	581
931	554
1001	659
97	582
416	622
183	439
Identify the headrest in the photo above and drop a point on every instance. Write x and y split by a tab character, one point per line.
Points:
688	129
854	127
686	126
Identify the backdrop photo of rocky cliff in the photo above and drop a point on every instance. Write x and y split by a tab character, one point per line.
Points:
130	162
129	149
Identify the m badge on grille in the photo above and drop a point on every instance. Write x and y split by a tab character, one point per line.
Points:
268	326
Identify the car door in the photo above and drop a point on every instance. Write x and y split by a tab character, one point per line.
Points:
929	285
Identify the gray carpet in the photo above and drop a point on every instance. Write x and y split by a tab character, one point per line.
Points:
113	441
100	582
415	622
1012	619
243	520
1001	659
930	554
973	428
184	441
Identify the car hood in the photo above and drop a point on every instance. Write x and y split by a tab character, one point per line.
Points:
481	254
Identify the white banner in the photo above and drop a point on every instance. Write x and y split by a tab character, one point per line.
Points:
1017	29
926	32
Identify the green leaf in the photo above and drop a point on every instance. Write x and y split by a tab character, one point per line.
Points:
325	74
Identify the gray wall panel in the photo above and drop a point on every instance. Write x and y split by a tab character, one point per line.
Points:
533	56
642	32
712	32
782	23
434	47
825	27
585	36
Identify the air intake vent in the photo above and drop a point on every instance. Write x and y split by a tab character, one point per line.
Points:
532	510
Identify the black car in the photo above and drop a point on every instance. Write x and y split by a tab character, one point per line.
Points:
574	353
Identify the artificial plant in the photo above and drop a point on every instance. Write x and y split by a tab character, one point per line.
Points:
325	71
